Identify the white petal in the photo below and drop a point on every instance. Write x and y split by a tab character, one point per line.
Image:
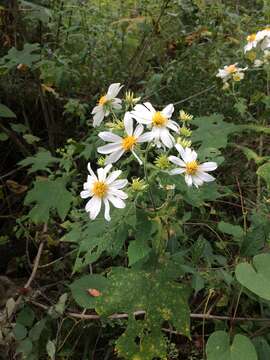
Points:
109	136
91	171
150	107
117	202
197	181
113	157
102	173
208	166
180	149
137	157
109	148
173	126
95	207
146	137
187	155
116	105
138	131
205	177
85	194
166	138
113	176
168	111
118	193
96	109
188	179
175	160
177	171
98	117
128	123
194	155
113	90
119	184
107	210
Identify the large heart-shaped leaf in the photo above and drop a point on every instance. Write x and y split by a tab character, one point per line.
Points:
219	348
256	278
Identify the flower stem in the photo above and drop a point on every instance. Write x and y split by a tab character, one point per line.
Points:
146	177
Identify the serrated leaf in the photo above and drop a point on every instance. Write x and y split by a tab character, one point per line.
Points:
209	130
256	278
5	112
40	161
137	251
48	196
218	347
231	229
26	56
80	287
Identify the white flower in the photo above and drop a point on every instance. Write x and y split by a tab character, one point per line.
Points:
158	121
231	71
252	41
119	145
106	102
262	37
195	173
103	188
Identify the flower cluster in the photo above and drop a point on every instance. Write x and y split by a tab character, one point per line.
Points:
257	45
154	127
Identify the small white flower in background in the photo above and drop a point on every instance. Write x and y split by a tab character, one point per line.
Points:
252	41
119	145
103	188
195	173
106	102
158	121
231	71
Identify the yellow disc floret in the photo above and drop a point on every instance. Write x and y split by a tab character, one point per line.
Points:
102	100
251	38
128	142
100	188
192	167
159	119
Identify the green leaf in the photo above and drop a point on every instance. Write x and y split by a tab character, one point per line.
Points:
19	331
26	317
80	287
256	278
38	12
209	130
137	250
35	332
3	136
31	139
157	293
218	347
51	349
26	56
5	112
48	195
235	230
25	347
262	348
41	161
264	172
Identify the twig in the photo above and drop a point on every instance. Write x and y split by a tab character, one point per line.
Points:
117	316
195	95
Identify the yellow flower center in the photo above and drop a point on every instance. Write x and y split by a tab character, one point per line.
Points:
102	100
192	167
100	188
128	142
159	120
251	37
231	69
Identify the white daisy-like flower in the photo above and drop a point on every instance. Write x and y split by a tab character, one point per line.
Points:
106	102
263	37
195	173
231	71
159	122
252	41
103	188
120	145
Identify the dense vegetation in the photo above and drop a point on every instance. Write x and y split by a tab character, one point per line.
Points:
180	267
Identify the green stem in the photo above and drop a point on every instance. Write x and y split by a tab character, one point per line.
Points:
146	176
